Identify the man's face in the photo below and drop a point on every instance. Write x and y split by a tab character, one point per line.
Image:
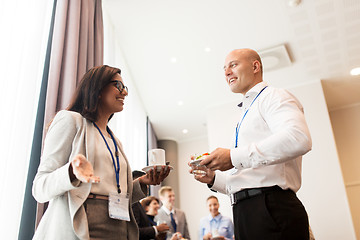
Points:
213	206
239	71
168	198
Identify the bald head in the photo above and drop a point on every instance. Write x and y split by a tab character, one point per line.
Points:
243	70
249	54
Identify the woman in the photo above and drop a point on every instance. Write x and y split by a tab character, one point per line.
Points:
215	226
84	172
144	215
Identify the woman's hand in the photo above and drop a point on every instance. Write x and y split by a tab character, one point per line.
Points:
83	170
162	227
154	177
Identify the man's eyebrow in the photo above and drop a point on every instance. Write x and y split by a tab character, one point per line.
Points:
231	62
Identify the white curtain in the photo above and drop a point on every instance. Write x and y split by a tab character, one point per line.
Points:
24	27
130	124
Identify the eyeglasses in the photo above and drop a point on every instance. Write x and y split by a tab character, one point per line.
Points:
120	86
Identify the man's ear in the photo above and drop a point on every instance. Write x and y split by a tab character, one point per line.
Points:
256	66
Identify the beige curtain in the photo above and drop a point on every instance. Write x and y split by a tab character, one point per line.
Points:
77	46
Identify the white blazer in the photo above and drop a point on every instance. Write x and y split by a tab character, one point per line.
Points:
70	134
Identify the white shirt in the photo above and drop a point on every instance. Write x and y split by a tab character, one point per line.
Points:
168	211
272	138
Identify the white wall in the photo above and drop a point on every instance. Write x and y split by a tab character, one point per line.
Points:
346	126
132	120
323	191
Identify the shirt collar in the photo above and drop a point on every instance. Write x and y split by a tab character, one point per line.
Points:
217	218
167	211
253	92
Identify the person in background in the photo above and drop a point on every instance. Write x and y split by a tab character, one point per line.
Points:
173	217
215	225
147	227
151	206
84	172
265	161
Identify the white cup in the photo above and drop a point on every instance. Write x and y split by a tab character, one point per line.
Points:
156	157
215	233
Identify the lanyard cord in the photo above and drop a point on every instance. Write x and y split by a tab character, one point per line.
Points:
117	168
239	124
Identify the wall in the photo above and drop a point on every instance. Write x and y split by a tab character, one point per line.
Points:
346	127
171	155
323	190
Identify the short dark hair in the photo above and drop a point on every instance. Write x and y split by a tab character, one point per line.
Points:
146	201
86	97
212	196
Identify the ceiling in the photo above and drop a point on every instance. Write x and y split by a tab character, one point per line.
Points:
175	51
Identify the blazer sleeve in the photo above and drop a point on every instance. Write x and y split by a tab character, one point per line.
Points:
186	230
52	178
145	230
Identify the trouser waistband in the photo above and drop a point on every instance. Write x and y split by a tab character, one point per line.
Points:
251	192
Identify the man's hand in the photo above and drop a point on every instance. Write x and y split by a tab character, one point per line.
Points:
220	238
162	227
176	236
208	178
219	159
83	170
207	236
153	177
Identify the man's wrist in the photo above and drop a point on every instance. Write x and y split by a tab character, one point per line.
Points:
212	182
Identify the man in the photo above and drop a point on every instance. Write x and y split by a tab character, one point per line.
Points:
270	139
215	225
173	217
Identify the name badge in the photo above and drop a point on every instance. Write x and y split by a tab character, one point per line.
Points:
119	206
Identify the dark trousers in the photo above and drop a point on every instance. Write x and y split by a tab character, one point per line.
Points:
271	215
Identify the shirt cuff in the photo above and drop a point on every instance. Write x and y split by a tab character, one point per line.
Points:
219	182
156	231
240	158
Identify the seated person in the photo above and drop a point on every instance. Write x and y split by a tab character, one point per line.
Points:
215	226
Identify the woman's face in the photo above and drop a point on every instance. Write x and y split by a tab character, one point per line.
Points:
153	208
111	99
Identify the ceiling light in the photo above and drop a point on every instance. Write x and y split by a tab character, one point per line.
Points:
180	103
173	60
185	131
275	58
207	49
355	71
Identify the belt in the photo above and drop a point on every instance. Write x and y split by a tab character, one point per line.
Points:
251	192
98	196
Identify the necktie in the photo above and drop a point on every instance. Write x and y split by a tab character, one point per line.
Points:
173	223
